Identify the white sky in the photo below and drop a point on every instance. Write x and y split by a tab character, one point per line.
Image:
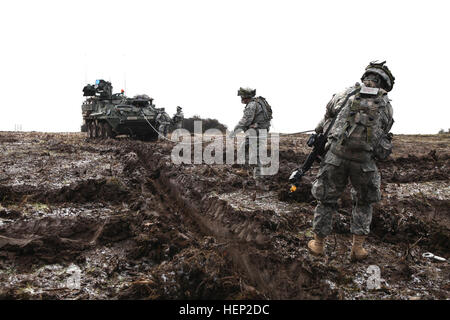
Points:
197	54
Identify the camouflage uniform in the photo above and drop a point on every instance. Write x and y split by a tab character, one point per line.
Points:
255	117
163	120
178	118
359	135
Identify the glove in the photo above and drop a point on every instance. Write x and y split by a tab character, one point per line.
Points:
294	179
296	176
390	135
311	140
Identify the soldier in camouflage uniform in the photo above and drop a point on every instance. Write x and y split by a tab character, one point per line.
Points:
178	118
359	136
163	120
257	115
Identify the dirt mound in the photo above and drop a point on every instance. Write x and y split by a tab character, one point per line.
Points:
104	189
430	167
111	189
193	273
47	240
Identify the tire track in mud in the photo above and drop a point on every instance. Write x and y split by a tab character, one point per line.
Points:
250	244
246	239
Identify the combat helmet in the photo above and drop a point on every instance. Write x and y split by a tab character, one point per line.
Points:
246	93
383	71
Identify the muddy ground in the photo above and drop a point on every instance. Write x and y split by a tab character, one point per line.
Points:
116	219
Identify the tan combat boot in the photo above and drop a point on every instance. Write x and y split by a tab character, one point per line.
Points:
358	252
316	245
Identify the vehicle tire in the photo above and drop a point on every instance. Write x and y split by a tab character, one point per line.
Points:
91	130
107	129
96	130
101	130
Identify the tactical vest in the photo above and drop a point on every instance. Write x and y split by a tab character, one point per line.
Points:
179	116
359	126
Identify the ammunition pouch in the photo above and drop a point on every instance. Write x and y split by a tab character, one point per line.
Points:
383	148
348	154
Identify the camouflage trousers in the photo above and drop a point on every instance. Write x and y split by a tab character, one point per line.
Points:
256	139
179	125
331	181
163	129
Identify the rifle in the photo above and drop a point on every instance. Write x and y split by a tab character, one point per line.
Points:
318	142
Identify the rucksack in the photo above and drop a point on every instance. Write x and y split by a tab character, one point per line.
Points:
362	126
265	106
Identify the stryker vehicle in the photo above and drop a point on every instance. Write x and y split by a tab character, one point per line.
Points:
107	115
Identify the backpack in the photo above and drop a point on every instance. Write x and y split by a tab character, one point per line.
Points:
360	127
266	108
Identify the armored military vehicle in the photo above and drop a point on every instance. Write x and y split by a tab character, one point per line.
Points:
107	115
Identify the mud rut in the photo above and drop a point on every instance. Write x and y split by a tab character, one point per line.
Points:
128	224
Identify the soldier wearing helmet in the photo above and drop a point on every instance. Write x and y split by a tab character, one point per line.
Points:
178	118
257	112
359	136
257	115
163	120
379	74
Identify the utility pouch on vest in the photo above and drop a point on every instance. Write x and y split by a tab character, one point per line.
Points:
368	166
383	148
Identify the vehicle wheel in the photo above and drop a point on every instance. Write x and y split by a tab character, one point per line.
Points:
95	130
101	130
107	129
91	130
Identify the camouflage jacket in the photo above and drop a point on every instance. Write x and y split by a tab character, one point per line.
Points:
362	124
253	117
163	118
178	117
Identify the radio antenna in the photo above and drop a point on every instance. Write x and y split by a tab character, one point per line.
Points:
85	69
124	73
